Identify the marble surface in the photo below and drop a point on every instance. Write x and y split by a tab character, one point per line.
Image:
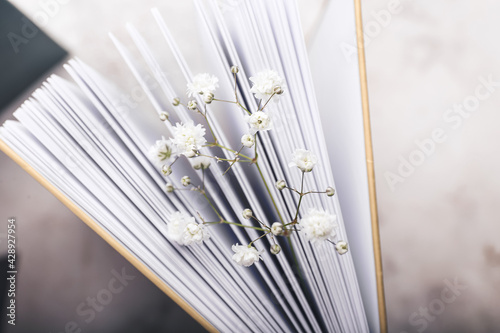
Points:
439	218
439	221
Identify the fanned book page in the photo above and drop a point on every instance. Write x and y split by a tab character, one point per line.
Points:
231	203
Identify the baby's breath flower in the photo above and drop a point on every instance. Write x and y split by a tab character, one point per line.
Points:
164	115
259	121
341	247
264	84
304	160
169	187
280	184
275	249
194	233
188	138
235	69
319	225
185	181
192	105
330	191
183	229
201	162
247	213
247	140
176	101
245	255
203	84
277	228
161	151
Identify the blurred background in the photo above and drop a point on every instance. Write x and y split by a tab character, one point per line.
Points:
434	90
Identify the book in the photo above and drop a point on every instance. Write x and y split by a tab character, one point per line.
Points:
90	149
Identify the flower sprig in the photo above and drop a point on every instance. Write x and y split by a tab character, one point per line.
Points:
188	141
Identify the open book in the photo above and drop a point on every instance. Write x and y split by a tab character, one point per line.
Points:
90	148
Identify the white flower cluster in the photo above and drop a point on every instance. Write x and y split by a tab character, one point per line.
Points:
266	83
259	121
203	84
183	229
188	138
201	162
319	225
304	160
245	255
161	151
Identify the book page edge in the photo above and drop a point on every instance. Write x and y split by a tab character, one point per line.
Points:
370	167
108	238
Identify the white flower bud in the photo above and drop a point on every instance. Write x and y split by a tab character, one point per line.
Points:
275	249
192	105
164	115
169	187
341	247
166	170
176	101
278	90
185	180
234	69
247	213
247	140
330	191
277	228
280	184
208	98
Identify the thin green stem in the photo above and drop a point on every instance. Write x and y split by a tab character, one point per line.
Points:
233	151
244	108
256	219
208	123
221	159
268	101
314	192
224	100
211	205
255	151
269	192
244	226
203	178
292	189
300	200
234	161
258	238
235	89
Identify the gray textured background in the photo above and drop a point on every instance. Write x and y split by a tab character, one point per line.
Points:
441	223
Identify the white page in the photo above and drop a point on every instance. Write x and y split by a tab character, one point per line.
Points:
342	114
